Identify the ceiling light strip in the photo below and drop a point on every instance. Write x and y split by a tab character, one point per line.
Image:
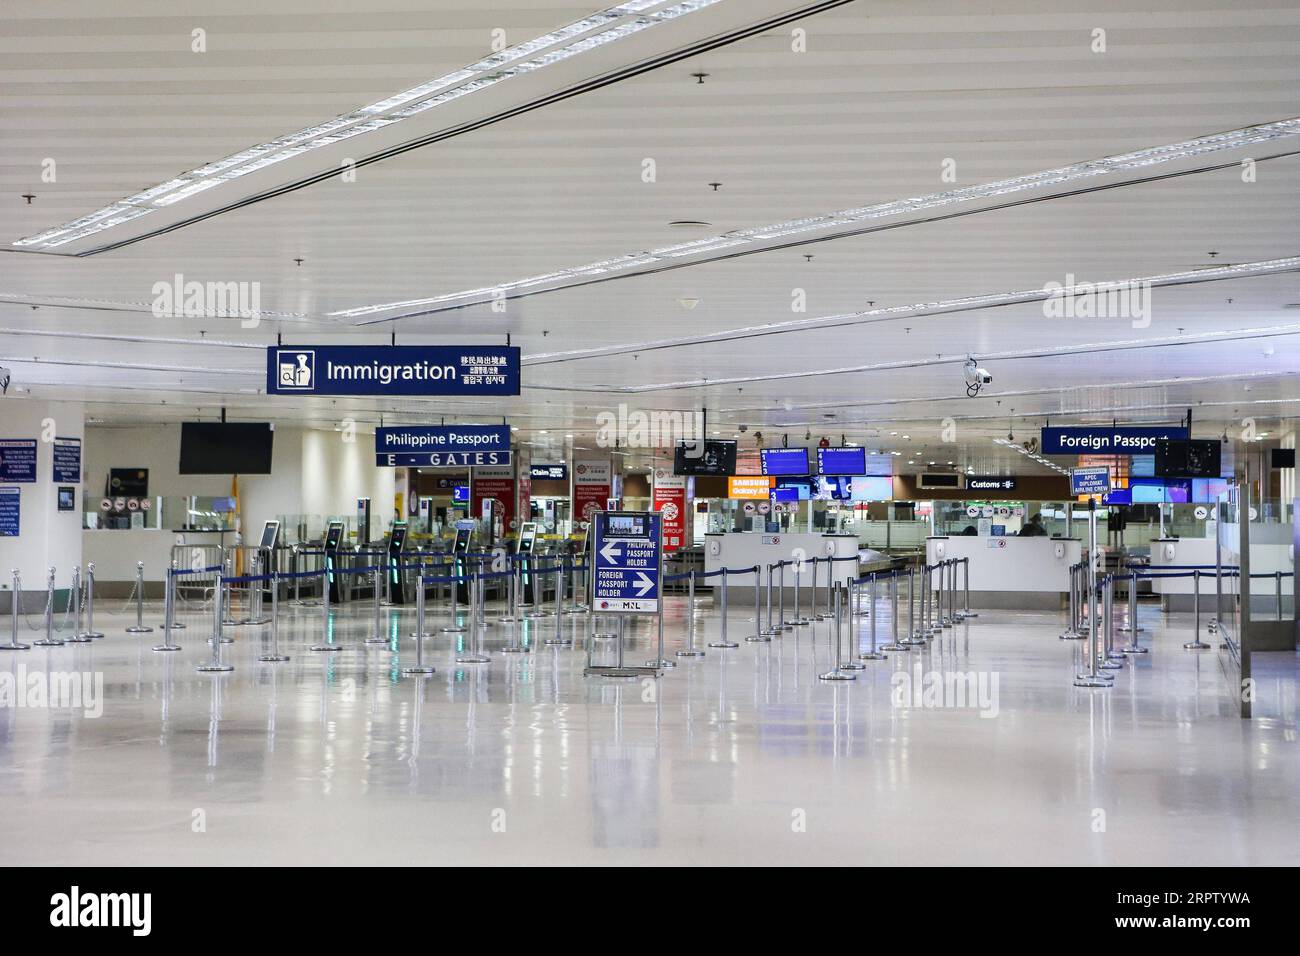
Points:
607	26
1138	159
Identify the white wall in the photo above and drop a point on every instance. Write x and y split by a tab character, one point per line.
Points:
47	537
312	472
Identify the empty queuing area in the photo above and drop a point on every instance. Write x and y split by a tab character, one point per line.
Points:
659	432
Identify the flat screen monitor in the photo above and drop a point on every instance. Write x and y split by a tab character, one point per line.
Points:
785	495
1147	492
792	462
460	495
527	538
802	490
626	526
842	461
1282	458
872	488
711	457
333	536
397	540
834	489
128	483
1142	466
270	535
1118	496
1192	458
461	544
1178	491
226	448
1207	490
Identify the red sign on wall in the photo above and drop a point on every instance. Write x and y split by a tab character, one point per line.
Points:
670	501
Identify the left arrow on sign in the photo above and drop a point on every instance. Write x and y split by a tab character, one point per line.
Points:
610	551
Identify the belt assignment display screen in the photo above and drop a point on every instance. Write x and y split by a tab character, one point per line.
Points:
785	461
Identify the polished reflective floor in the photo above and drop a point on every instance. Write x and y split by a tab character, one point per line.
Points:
741	756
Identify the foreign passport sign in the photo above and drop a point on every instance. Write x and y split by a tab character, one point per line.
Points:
460	370
1090	481
628	548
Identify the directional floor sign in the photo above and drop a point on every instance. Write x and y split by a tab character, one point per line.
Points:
629	562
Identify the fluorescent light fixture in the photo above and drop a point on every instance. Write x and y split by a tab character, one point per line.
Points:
1187	149
574	39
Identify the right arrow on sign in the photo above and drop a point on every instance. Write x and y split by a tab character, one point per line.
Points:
643	584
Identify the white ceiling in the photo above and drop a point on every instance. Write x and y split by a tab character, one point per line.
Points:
884	94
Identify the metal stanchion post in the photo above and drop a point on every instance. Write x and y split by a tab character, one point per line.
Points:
894	644
475	654
798	620
325	645
74	606
1133	647
275	657
947	579
1196	644
1277	577
455	627
169	612
782	625
49	640
873	654
827	614
837	672
771	630
847	594
690	650
419	668
1072	631
559	640
1093	677
660	660
1111	658
512	597
216	666
139	627
722	641
913	637
760	636
15	610
90	631
377	635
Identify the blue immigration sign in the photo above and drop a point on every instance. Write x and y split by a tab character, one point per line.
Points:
460	370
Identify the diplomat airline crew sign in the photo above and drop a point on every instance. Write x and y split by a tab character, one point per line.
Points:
383	370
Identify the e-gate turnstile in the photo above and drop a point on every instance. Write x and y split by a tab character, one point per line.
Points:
333	542
396	544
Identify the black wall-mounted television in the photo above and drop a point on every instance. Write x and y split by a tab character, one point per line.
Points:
1282	458
1192	458
226	448
127	483
710	457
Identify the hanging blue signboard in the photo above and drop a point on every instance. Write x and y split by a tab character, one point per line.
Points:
1104	440
444	459
10	499
18	459
460	370
408	439
67	461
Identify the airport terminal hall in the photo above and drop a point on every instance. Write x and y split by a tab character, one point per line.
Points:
710	433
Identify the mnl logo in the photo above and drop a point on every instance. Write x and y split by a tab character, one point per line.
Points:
297	370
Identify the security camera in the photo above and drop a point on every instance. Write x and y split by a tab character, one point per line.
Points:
5	376
743	428
976	377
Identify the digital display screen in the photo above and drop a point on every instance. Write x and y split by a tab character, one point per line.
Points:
711	457
785	461
333	536
801	490
460	495
1178	492
1207	490
626	526
1142	466
834	489
872	488
270	532
842	461
1147	492
1117	496
785	495
67	499
226	448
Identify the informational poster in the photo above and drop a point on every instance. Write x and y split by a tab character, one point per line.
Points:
494	484
67	461
670	501
10	507
592	488
18	460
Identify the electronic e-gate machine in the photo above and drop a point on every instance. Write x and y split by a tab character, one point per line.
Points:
524	547
333	541
396	545
460	548
628	570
